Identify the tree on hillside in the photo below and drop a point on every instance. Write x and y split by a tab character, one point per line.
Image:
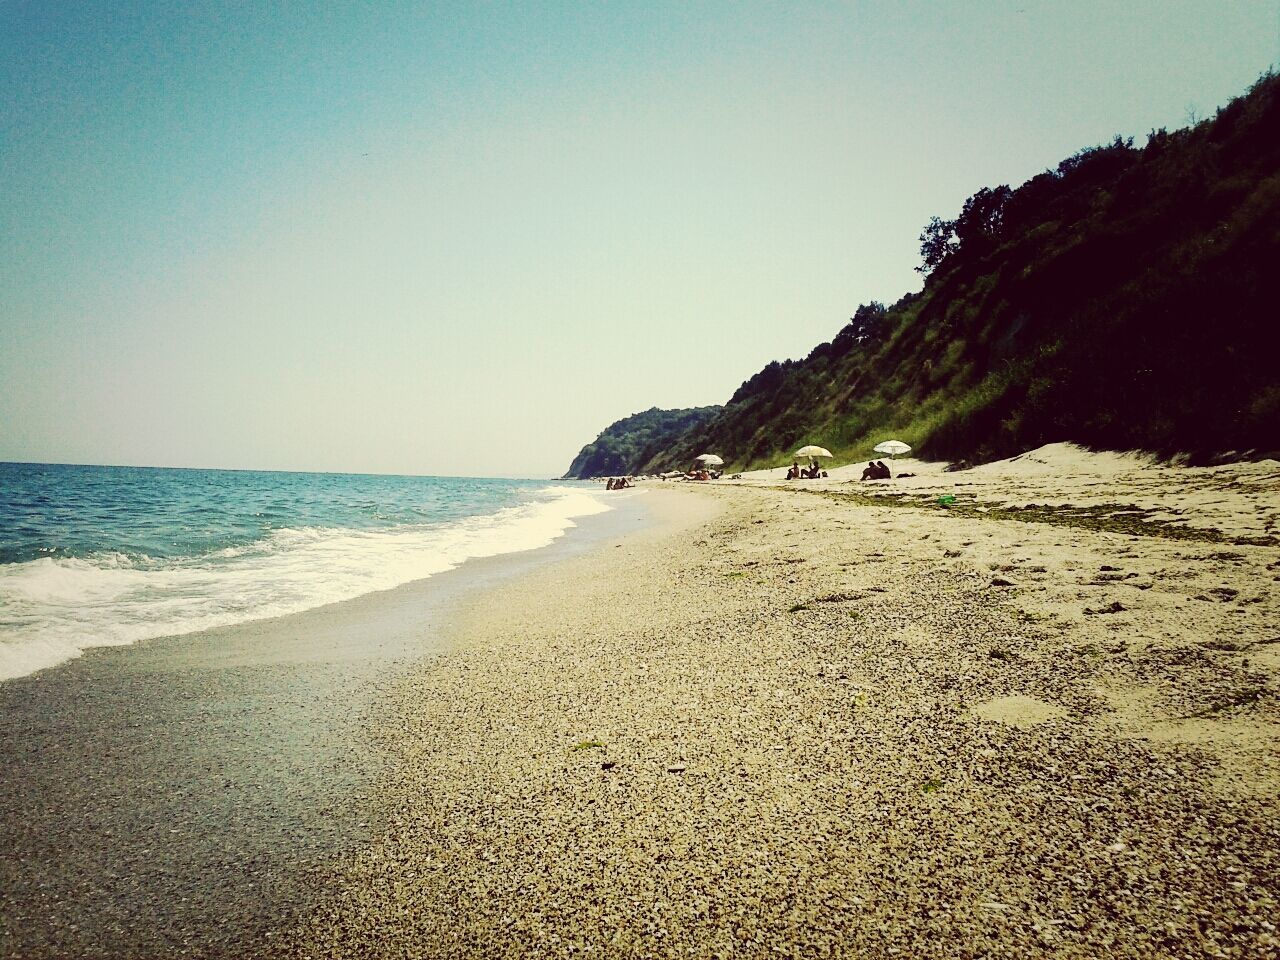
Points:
971	235
866	324
766	382
978	227
937	242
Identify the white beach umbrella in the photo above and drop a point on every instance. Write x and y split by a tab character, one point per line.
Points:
812	451
710	459
892	447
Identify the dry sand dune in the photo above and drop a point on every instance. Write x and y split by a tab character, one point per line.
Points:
1237	500
794	722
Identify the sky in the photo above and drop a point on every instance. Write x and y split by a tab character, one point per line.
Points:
463	238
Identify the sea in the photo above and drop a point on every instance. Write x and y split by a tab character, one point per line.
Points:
95	556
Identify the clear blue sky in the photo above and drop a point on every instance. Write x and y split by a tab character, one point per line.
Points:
463	238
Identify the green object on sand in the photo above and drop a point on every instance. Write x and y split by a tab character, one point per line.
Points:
946	500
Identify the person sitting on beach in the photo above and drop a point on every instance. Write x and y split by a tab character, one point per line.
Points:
609	485
794	472
884	473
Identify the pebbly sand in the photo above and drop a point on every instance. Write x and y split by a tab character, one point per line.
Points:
795	720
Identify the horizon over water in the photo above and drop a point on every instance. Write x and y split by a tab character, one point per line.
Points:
109	555
330	473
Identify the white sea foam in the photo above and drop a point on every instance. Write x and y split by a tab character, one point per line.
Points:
53	610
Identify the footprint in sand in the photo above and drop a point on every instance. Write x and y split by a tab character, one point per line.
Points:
1017	711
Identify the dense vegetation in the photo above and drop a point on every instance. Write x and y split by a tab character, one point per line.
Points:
1126	299
626	445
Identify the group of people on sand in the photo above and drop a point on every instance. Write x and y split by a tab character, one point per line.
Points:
619	483
876	470
811	472
702	473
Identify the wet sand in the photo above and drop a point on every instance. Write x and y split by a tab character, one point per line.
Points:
791	722
175	797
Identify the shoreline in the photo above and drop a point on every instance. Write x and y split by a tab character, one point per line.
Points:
173	796
831	728
730	720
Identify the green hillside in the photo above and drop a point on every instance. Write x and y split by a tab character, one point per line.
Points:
626	445
1126	299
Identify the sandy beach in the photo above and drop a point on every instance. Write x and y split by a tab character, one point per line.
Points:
800	721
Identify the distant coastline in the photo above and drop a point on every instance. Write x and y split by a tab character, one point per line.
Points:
1111	301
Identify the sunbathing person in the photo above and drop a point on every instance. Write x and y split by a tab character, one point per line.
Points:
875	471
794	472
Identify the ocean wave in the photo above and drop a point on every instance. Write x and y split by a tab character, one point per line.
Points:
52	609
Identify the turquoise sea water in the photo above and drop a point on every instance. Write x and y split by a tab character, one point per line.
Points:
94	556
